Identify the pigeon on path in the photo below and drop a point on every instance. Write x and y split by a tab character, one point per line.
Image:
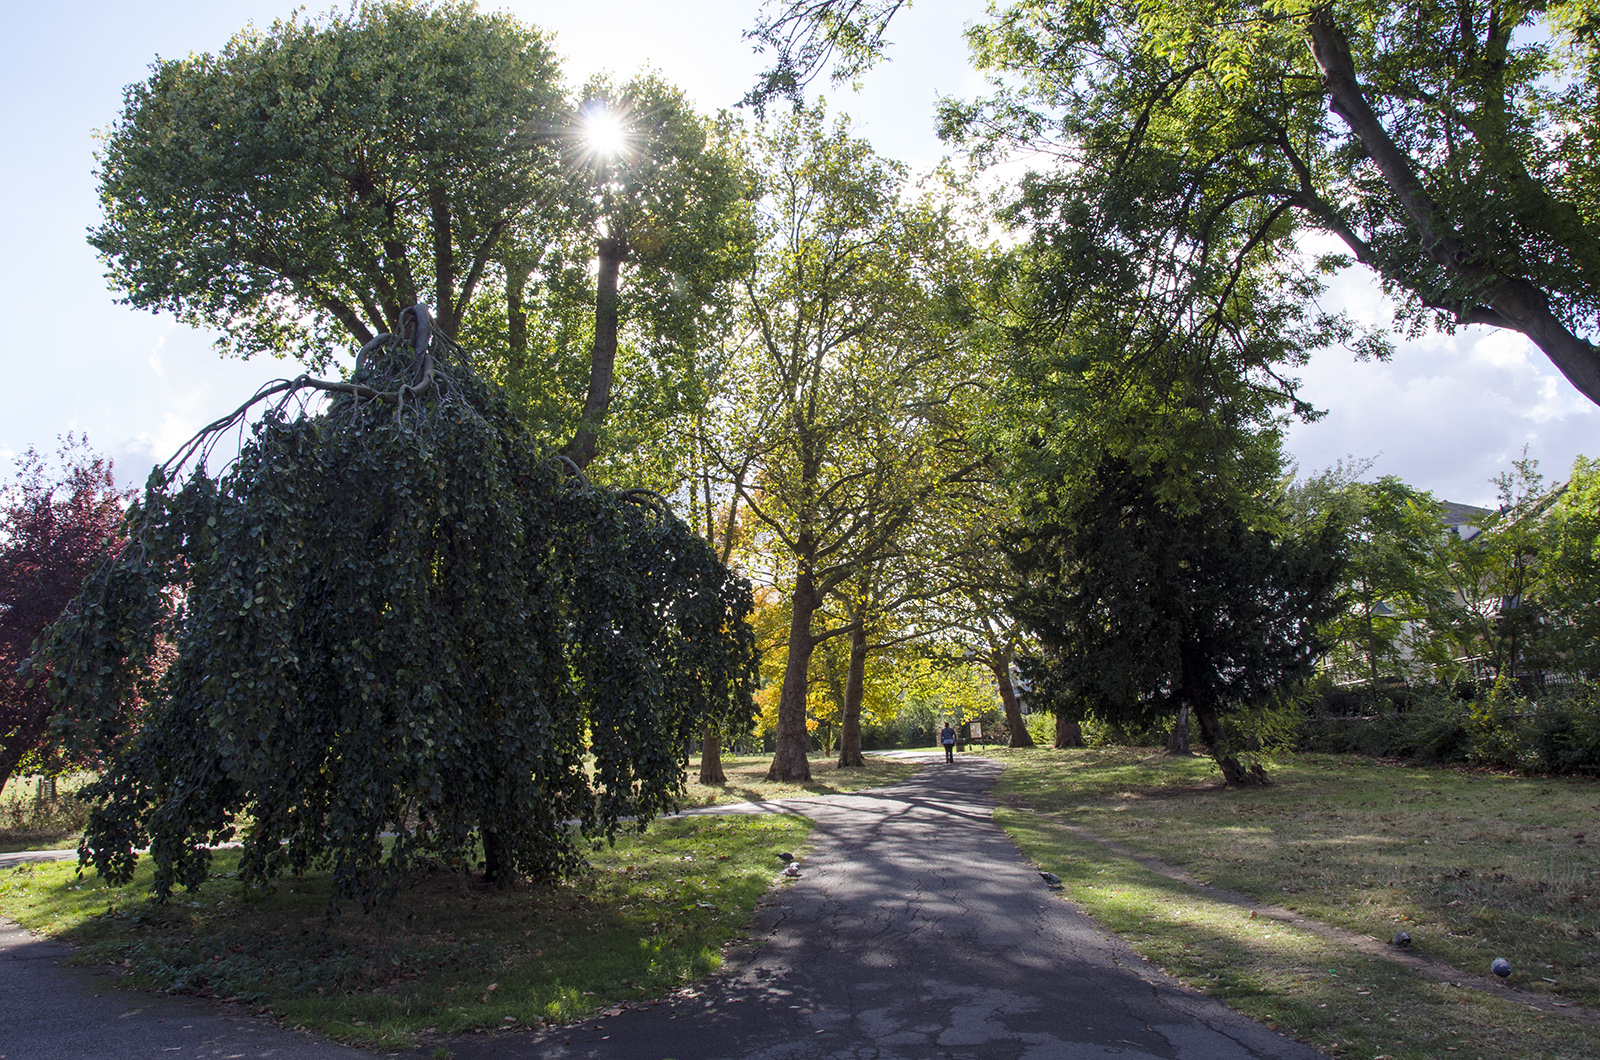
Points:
1501	967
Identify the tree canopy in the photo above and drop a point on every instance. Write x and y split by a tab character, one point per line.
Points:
1395	547
56	525
309	183
840	423
397	613
1448	147
1143	606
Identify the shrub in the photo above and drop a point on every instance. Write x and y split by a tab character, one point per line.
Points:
1554	731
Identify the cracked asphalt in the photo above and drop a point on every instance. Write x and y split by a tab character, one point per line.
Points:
916	929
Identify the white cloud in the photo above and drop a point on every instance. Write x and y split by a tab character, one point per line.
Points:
1447	412
161	443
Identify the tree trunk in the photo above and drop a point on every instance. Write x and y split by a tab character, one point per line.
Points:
854	687
10	758
516	318
28	735
789	761
603	361
711	758
494	867
1001	665
1068	733
1217	739
1512	301
1178	741
445	309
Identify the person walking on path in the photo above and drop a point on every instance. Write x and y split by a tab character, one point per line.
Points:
948	738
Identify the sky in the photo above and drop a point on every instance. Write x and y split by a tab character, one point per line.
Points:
1445	414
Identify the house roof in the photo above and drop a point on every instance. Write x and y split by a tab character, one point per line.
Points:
1454	513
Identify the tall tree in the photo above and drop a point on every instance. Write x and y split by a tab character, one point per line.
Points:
1392	588
399	613
840	413
1143	606
302	189
1496	611
1572	571
1153	377
56	525
1447	146
671	202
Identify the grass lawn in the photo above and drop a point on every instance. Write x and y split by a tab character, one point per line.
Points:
649	915
747	779
27	825
1472	865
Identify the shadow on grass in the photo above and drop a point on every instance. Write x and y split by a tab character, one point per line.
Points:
1319	991
649	915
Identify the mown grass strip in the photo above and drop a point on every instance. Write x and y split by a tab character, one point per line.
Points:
1473	865
651	914
1345	1002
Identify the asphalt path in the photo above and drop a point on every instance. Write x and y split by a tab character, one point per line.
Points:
915	930
51	1011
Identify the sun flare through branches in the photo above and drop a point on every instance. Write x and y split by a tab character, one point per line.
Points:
606	133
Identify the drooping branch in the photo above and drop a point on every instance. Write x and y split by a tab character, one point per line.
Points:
424	377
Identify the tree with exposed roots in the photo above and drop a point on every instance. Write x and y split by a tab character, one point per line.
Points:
395	614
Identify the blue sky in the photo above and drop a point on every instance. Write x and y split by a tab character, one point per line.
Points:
1446	414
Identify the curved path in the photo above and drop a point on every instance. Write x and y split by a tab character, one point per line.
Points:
916	930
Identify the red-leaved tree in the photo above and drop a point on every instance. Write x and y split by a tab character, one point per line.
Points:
58	519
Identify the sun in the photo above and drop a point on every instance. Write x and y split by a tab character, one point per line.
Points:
605	132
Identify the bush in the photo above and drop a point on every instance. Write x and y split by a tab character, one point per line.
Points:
1557	731
40	812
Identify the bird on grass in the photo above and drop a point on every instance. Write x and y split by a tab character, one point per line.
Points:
1050	879
786	857
1402	940
1501	967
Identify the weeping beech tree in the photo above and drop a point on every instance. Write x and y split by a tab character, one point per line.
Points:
393	613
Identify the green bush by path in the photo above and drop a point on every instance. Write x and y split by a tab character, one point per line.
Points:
1473	865
1555	731
648	915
